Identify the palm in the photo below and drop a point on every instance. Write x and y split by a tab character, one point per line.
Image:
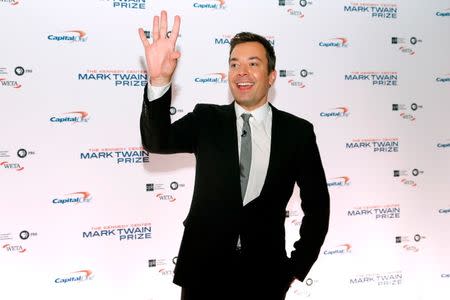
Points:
161	55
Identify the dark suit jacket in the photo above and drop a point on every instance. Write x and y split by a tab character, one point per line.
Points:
217	217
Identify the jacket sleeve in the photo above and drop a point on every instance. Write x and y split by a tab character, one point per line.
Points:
315	203
158	134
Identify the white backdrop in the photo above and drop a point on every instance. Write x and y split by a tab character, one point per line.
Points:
85	214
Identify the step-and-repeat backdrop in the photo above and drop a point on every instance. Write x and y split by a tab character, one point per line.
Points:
87	213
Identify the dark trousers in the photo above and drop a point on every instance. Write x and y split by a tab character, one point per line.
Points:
205	294
238	286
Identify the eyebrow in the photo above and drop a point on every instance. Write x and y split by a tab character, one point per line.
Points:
250	58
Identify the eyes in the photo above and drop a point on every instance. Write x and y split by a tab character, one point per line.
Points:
235	65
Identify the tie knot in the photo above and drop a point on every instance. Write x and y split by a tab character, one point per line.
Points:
246	117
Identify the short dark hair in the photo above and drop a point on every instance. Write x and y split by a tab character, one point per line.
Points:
244	37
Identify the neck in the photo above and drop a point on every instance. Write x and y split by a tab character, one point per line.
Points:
250	107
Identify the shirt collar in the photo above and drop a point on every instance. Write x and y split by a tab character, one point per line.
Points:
260	114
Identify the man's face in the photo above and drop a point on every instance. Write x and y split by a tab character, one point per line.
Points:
248	76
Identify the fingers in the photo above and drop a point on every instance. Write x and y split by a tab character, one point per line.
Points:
143	37
163	25
175	29
155	29
159	29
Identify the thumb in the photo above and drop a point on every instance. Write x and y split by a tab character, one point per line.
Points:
175	55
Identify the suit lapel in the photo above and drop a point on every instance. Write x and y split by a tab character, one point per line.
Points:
231	147
276	145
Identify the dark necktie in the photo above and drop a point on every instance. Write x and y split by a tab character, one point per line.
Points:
246	153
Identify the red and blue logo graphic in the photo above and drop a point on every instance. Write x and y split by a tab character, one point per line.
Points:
338	42
444	144
210	4
69	36
213	78
338	181
443	13
336	112
77	276
444	78
340	249
76	198
71	117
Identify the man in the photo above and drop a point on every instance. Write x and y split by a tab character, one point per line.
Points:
248	155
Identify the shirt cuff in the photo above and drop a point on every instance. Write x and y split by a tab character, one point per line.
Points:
155	92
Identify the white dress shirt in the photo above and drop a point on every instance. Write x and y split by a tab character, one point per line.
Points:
261	131
261	127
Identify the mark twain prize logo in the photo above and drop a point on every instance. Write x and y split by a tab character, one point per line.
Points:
127	4
336	112
407	112
342	181
77	276
404	176
121	232
339	250
377	279
73	198
443	13
374	144
211	78
10	2
337	42
122	78
210	4
378	212
374	78
225	39
121	155
72	36
406	45
295	8
295	77
373	10
71	117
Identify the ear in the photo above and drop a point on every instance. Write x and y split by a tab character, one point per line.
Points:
272	77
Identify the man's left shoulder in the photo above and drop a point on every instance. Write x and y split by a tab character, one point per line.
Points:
292	119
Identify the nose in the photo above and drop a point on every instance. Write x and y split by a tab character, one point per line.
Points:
243	70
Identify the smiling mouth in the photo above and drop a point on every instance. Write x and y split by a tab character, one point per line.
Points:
245	85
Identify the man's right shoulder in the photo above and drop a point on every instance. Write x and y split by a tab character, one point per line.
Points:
211	108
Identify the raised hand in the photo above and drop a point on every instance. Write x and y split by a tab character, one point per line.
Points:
160	55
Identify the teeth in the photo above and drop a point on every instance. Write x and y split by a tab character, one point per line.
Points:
244	84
